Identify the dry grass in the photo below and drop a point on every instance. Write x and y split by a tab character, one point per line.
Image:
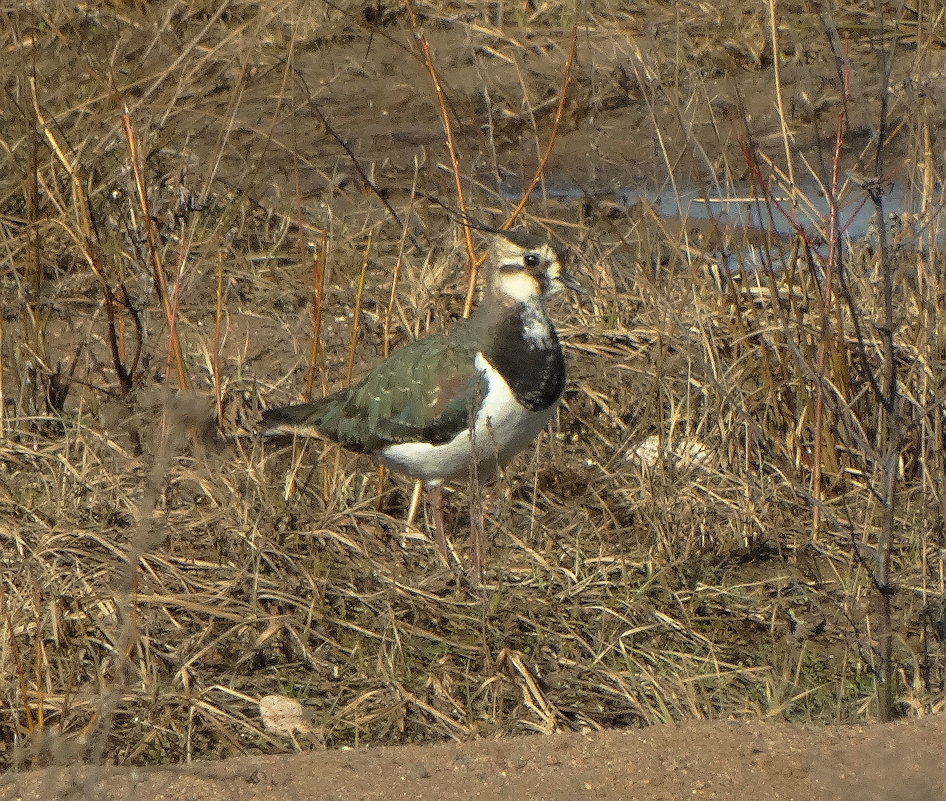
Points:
163	571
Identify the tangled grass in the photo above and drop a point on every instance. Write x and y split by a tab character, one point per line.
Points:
745	439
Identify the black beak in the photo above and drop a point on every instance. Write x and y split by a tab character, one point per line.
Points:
571	282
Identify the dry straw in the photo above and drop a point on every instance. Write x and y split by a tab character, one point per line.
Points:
737	512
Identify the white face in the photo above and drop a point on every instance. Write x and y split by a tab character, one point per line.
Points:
525	274
520	286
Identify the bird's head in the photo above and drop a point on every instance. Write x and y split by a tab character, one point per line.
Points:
525	269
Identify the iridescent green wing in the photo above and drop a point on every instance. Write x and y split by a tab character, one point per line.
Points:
423	393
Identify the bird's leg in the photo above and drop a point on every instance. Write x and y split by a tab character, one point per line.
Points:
415	502
435	500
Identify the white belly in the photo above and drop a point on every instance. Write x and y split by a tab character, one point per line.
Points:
503	427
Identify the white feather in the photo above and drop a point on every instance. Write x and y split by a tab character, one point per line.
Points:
503	427
536	326
518	285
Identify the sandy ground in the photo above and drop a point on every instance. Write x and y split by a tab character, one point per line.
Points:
717	760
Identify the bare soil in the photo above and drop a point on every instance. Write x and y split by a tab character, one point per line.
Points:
725	761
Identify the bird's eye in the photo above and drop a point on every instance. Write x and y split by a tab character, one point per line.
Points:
531	260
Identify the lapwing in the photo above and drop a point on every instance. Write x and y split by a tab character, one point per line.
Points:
453	406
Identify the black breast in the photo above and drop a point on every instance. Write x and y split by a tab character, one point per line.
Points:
533	367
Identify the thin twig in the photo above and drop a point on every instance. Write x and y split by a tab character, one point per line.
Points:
356	312
428	60
88	242
556	122
366	180
176	355
217	334
318	301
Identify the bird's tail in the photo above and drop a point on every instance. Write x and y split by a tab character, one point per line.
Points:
288	420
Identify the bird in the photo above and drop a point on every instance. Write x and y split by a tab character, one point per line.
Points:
462	404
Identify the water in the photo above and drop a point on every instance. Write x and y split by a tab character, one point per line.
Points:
743	209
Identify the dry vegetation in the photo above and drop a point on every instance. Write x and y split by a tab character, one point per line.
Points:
739	511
